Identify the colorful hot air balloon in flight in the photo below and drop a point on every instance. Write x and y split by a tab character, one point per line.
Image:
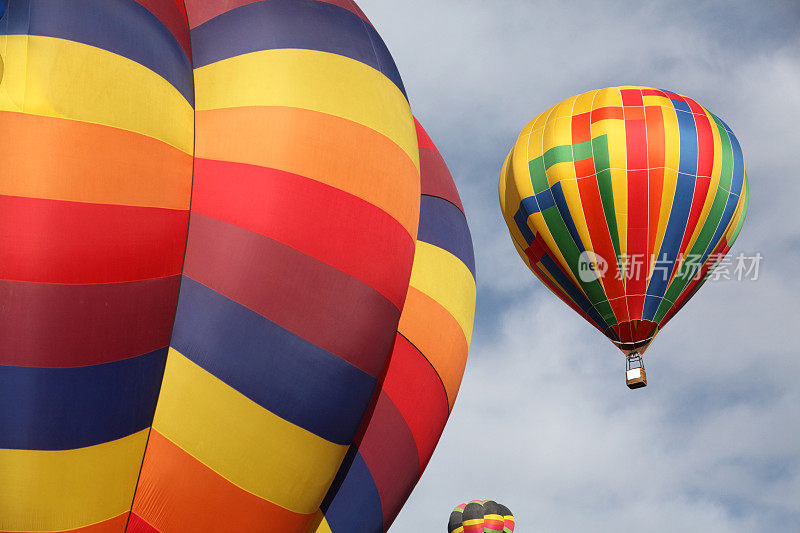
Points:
481	516
161	372
621	201
417	391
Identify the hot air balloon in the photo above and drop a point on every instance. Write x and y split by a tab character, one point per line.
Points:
481	516
622	201
167	372
417	391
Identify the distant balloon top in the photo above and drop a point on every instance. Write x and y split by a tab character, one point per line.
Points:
481	516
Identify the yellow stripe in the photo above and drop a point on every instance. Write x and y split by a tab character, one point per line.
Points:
243	442
60	490
314	80
65	79
443	277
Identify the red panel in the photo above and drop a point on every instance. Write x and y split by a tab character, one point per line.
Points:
415	388
54	241
173	16
436	178
137	524
581	128
331	225
632	97
637	231
296	291
390	453
423	139
56	325
200	11
605	113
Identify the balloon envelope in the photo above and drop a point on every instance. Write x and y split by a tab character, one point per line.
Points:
621	201
481	516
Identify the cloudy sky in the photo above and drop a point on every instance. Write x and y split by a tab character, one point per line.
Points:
544	422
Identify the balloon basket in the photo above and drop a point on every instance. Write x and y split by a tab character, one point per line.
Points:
635	376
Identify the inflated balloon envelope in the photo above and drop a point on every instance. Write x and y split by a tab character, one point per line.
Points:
209	219
622	201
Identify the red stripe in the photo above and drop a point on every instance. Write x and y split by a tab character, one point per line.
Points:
656	146
56	325
390	453
638	196
423	139
201	11
436	178
326	223
605	113
293	290
54	241
173	16
137	524
416	389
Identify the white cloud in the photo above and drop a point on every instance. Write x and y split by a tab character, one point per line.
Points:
544	422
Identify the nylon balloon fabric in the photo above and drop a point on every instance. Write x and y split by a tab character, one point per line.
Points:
481	516
96	109
416	394
622	201
305	204
209	375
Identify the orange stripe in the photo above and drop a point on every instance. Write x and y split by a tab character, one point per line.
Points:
198	499
437	334
62	159
326	148
112	525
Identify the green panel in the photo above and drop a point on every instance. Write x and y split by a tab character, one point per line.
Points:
582	150
538	175
557	154
602	159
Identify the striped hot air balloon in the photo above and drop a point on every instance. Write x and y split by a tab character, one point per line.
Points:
416	394
481	516
621	201
208	225
96	110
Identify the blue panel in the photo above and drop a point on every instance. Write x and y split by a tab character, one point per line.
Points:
275	368
123	27
353	502
68	408
566	216
738	166
302	24
688	142
527	207
680	105
651	304
545	199
443	224
676	227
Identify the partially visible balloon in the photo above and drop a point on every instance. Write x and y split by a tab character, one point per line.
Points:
622	201
305	205
417	391
481	516
96	110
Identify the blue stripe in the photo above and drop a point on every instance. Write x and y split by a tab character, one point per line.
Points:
561	202
688	142
353	502
443	224
123	27
738	166
68	408
670	246
303	24
275	368
527	207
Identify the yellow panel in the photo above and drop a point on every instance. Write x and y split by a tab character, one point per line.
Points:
60	490
672	146
652	99
66	79
564	109
583	103
617	146
610	97
443	277
243	442
540	120
557	132
561	172
534	149
314	80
